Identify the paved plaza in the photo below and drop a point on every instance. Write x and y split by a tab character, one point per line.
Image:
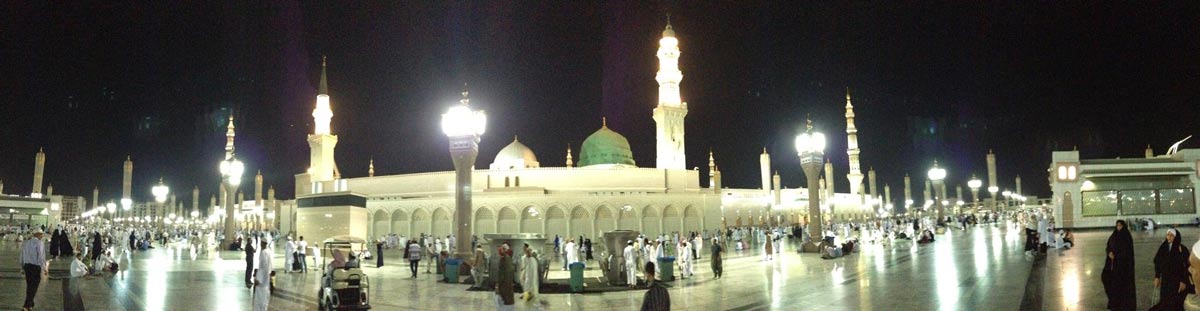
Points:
980	268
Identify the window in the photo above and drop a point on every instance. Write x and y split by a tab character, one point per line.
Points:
1099	203
1176	201
1139	202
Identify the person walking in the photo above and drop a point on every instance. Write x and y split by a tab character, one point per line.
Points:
630	264
717	249
504	281
262	279
1171	272
768	246
414	257
302	253
34	265
289	254
529	274
1118	273
478	266
657	298
249	248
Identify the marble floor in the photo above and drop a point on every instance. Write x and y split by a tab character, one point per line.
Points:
980	268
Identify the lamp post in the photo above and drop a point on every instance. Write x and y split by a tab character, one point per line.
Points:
993	190
810	146
1007	196
112	208
463	127
975	184
231	175
160	195
937	175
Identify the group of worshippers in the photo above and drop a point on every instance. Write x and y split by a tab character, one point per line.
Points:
571	251
259	250
1171	270
294	255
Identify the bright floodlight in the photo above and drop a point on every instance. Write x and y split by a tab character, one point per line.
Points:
936	173
974	184
232	169
160	191
126	204
195	214
1007	193
112	208
460	120
993	189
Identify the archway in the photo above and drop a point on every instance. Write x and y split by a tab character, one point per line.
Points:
507	222
420	223
692	222
382	224
672	220
556	222
441	222
605	221
531	220
484	222
627	219
651	222
581	224
400	223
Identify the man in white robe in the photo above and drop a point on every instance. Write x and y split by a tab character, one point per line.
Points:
630	264
289	254
572	252
685	261
529	274
262	278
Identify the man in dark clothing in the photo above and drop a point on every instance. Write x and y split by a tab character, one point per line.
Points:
249	263
657	298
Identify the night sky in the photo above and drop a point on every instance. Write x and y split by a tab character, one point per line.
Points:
155	81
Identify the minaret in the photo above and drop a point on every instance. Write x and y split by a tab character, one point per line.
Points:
871	183
96	197
272	205
668	116
50	190
258	195
993	187
829	191
712	170
570	162
1	187
229	135
127	184
778	187
321	141
764	166
855	176
907	191
39	166
928	191
1019	185
195	200
887	195
212	203
371	168
1149	152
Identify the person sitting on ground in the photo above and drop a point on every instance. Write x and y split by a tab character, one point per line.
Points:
78	269
926	237
1068	238
106	263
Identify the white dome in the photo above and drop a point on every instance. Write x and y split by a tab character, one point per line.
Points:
514	156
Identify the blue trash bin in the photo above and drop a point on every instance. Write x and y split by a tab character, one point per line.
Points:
665	271
451	272
576	277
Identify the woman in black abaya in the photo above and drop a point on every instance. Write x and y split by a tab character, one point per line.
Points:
1171	272
1118	270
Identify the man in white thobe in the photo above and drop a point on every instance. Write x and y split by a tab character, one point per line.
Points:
262	278
572	252
630	264
698	241
529	274
685	261
289	254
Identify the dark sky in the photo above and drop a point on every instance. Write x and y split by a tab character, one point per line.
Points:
155	80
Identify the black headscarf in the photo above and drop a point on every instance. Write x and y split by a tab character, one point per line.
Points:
1118	271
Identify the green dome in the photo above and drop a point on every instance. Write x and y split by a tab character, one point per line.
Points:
605	147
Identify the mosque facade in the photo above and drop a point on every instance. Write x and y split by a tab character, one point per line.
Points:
600	189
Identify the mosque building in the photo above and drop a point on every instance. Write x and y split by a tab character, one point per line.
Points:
600	189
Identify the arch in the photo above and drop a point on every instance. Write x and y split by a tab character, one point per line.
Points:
531	220
441	222
556	221
400	223
507	221
420	223
627	219
605	221
581	223
651	221
672	220
692	221
381	224
485	222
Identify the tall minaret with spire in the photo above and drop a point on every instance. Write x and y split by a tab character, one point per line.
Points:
668	116
371	168
229	135
855	176
321	141
39	166
570	161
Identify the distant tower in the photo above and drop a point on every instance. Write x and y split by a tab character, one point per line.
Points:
764	166
50	190
321	142
39	166
195	200
829	191
855	176
887	194
993	186
570	161
1	187
1149	152
371	168
714	174
778	187
127	180
668	116
96	197
907	191
871	183
1019	185
258	184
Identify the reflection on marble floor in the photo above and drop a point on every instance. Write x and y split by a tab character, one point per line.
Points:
976	269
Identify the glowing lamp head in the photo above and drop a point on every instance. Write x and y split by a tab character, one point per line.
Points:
460	120
810	142
936	173
160	192
126	204
974	184
993	189
112	207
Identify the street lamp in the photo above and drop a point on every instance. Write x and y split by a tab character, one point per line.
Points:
937	175
160	192
810	146
463	127
1007	197
231	173
975	184
993	189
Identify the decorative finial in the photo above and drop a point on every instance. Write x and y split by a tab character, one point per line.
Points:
514	138
808	121
935	162
40	149
322	61
847	93
128	158
604	122
466	99
323	88
764	150
160	179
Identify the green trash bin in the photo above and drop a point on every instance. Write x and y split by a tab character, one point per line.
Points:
451	272
576	277
665	271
